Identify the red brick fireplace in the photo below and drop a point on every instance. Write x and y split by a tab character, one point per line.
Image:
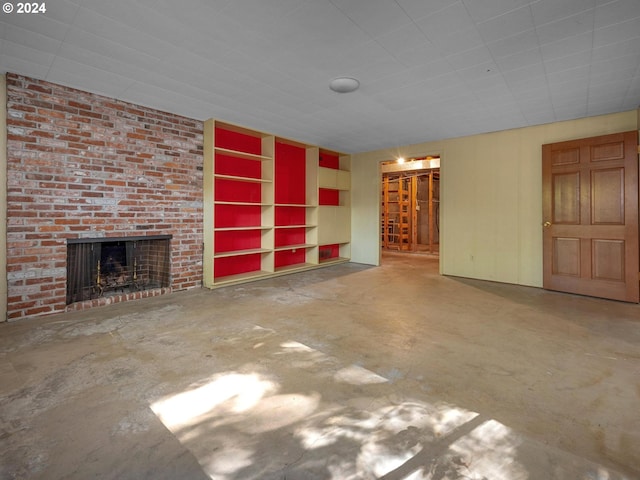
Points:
84	166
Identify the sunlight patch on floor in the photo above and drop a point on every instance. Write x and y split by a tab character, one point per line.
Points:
356	375
267	420
233	392
489	451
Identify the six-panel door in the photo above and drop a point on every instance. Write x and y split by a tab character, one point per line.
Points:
590	216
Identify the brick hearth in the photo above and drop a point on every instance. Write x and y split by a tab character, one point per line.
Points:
84	165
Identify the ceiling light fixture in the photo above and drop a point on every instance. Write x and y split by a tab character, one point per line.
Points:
344	84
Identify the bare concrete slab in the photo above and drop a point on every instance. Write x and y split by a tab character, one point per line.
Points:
347	372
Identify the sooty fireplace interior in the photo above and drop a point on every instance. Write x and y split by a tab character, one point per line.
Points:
98	267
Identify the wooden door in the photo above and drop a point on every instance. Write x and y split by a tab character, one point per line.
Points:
590	216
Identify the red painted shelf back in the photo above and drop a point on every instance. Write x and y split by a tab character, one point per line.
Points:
237	215
238	167
328	196
232	191
329	251
289	236
329	160
237	240
234	265
240	142
290	216
290	174
288	257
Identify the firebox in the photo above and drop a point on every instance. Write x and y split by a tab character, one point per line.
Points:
98	267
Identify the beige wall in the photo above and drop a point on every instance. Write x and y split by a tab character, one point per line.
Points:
491	198
365	210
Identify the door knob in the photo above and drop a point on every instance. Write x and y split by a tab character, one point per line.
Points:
547	224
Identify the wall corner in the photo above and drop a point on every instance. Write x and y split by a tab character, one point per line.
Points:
3	196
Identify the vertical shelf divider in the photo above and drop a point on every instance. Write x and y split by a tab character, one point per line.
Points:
312	155
344	184
208	205
268	211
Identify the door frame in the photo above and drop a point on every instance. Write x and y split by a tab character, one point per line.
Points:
429	162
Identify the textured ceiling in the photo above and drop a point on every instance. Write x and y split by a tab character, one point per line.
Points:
429	69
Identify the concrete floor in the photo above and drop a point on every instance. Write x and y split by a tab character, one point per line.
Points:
347	372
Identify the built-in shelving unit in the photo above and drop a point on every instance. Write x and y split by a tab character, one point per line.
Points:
271	205
334	211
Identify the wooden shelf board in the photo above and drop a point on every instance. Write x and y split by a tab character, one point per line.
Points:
238	154
330	261
259	275
295	268
295	143
236	178
294	205
232	127
240	278
237	253
252	204
295	226
294	247
231	229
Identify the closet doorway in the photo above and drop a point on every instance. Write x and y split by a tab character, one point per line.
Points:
410	209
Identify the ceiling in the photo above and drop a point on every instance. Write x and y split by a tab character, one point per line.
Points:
429	69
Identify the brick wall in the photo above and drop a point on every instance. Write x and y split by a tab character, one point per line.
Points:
83	165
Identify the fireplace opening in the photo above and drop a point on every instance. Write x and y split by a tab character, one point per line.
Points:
103	267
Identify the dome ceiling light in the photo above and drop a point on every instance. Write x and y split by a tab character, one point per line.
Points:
344	84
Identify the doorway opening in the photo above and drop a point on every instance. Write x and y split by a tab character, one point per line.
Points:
410	208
